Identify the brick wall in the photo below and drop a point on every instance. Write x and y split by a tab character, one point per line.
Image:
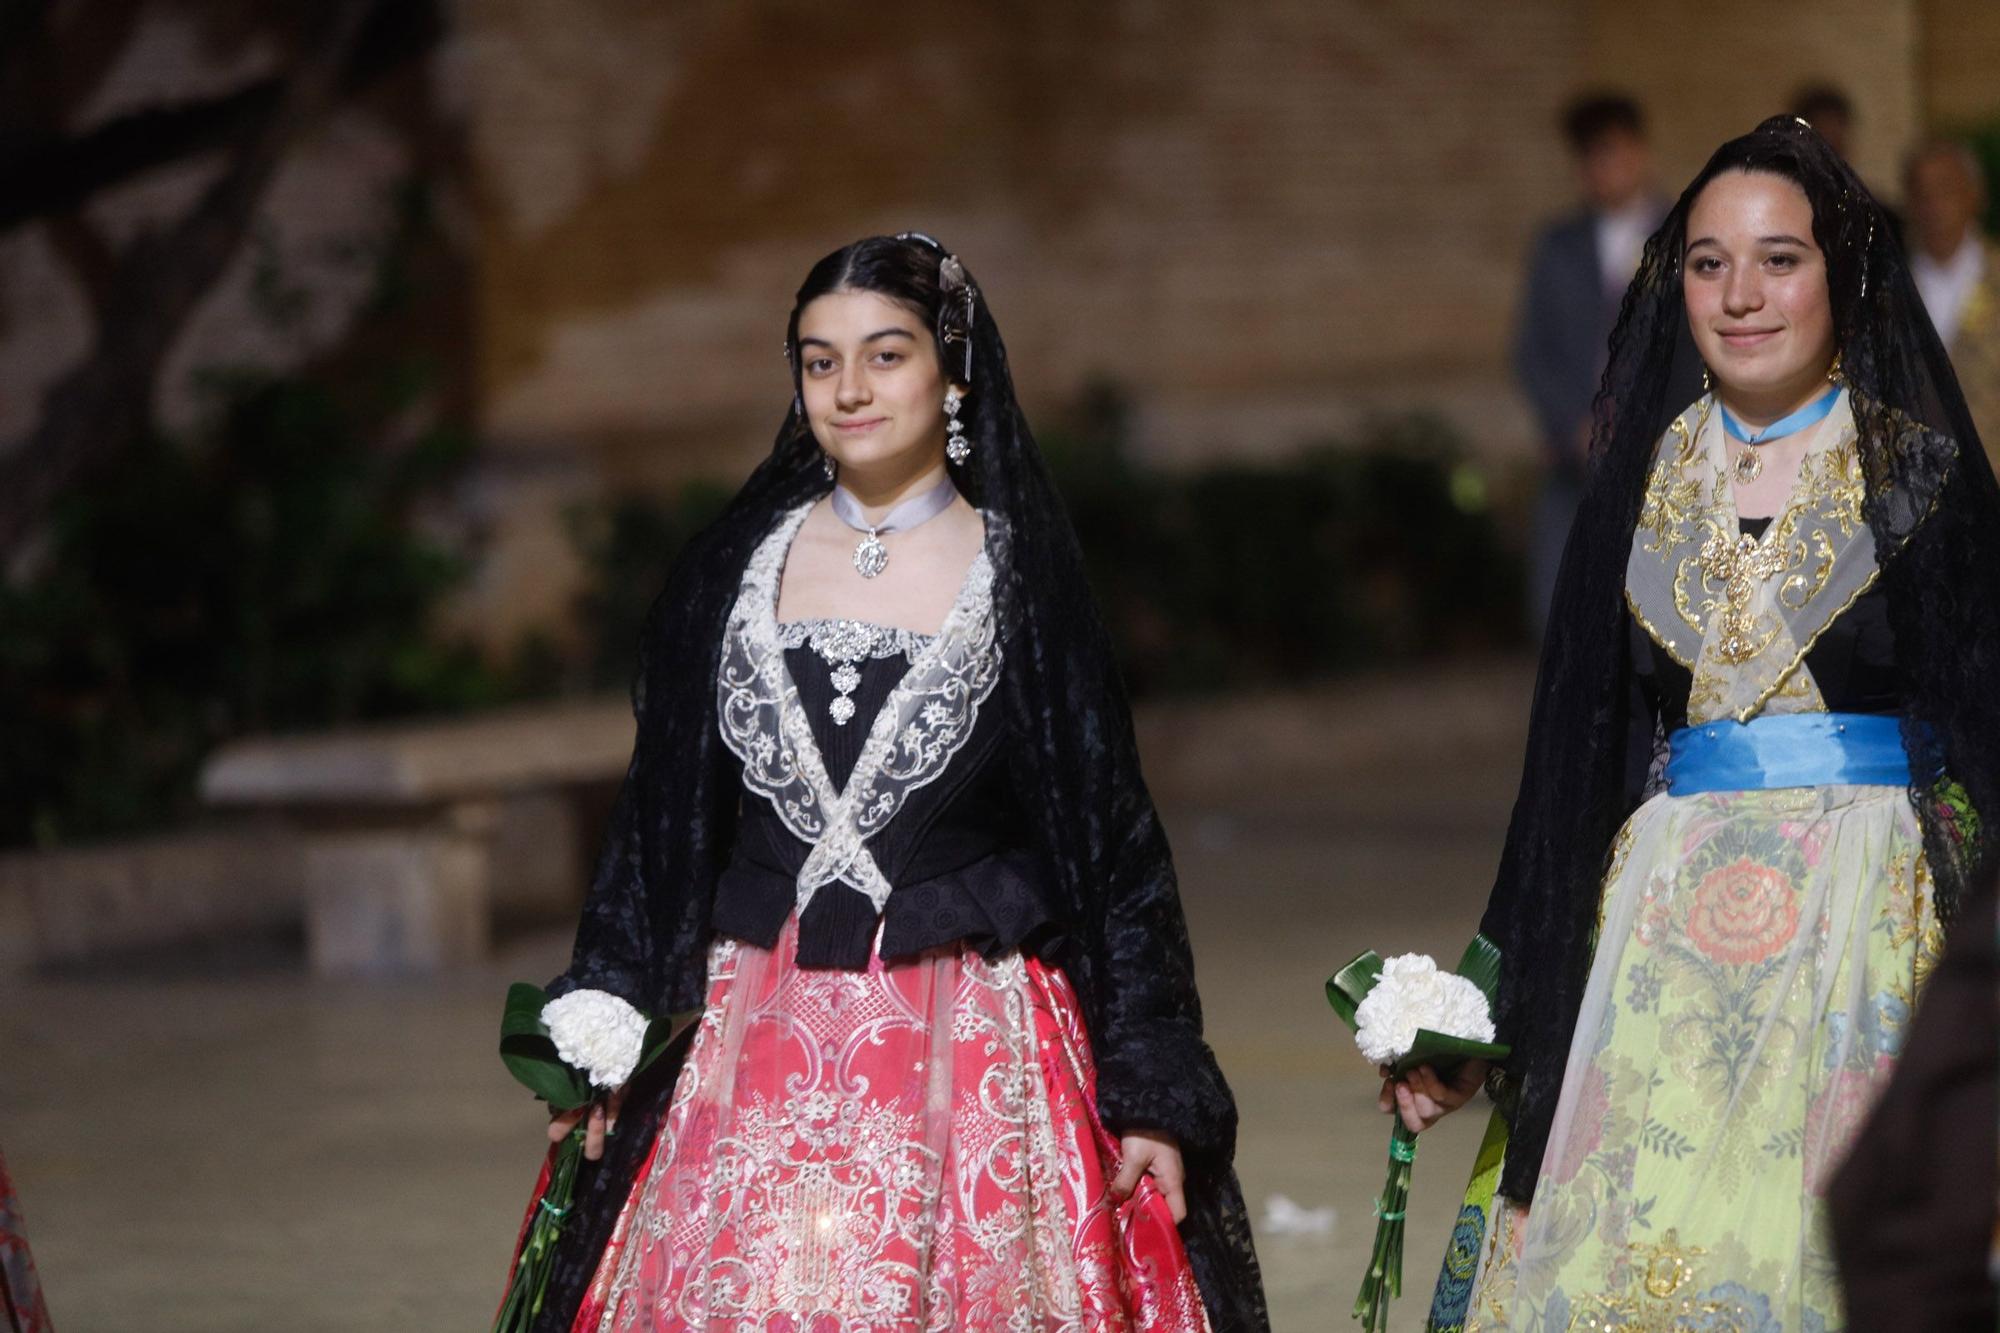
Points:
1251	216
1711	69
1958	62
1265	221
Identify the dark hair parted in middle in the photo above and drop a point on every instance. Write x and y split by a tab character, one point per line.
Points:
914	271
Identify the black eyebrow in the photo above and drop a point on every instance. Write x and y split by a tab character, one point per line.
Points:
1761	240
879	333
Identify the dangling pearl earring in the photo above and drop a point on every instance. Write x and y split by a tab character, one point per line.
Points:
956	447
826	461
1705	385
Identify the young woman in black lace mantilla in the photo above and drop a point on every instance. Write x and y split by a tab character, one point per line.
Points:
884	826
1765	732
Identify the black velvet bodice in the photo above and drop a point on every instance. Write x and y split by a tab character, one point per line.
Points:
957	855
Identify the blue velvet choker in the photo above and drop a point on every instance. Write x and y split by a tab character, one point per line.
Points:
1810	415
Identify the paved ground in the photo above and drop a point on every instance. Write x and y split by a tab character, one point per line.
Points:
244	1149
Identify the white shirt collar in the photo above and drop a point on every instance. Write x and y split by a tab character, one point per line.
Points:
1621	238
1946	286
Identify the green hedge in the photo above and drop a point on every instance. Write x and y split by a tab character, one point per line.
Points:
1357	553
267	573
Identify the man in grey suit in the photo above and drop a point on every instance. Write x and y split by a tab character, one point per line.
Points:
1581	265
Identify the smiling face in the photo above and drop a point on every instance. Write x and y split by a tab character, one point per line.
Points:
871	383
1756	290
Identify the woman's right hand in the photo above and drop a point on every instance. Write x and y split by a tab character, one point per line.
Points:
1423	1099
603	1120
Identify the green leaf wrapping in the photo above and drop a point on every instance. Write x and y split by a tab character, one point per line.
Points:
1446	1054
1347	988
663	1034
530	1056
1480	965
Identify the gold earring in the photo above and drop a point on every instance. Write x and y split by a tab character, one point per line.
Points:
1833	375
1705	384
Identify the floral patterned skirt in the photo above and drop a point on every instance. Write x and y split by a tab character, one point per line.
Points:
911	1147
1758	958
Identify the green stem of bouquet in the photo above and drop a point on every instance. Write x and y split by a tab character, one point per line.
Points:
1385	1264
536	1264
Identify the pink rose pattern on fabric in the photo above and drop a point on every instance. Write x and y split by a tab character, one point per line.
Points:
1835	1117
1743	913
1587	1129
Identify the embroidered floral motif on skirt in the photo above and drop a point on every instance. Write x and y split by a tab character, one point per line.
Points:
911	1147
1758	961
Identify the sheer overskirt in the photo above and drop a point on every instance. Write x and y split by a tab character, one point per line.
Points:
909	1147
1758	962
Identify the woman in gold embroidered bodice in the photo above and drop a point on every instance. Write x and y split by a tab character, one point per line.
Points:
1703	1004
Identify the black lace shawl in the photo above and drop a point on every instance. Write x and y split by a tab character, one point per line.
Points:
645	929
1934	510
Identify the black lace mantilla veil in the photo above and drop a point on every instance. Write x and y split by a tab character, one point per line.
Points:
1934	510
645	929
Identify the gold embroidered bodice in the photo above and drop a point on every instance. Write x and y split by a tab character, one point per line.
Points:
1741	611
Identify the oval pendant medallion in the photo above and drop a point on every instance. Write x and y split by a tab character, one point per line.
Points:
871	557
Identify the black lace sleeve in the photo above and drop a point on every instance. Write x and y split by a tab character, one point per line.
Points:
1154	1068
646	915
614	940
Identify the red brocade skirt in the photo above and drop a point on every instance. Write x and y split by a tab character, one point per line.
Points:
20	1290
910	1147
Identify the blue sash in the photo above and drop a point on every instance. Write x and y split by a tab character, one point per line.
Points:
1793	750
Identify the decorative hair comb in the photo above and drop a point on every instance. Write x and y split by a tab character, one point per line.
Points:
951	278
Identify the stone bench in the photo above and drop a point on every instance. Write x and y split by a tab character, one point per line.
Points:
403	825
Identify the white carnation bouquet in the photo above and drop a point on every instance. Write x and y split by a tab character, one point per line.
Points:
569	1051
1408	1012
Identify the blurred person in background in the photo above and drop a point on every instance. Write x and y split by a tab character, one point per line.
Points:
1955	269
1581	264
1763	768
1828	109
885	828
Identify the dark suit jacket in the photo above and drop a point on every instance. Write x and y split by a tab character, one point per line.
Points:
1562	331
